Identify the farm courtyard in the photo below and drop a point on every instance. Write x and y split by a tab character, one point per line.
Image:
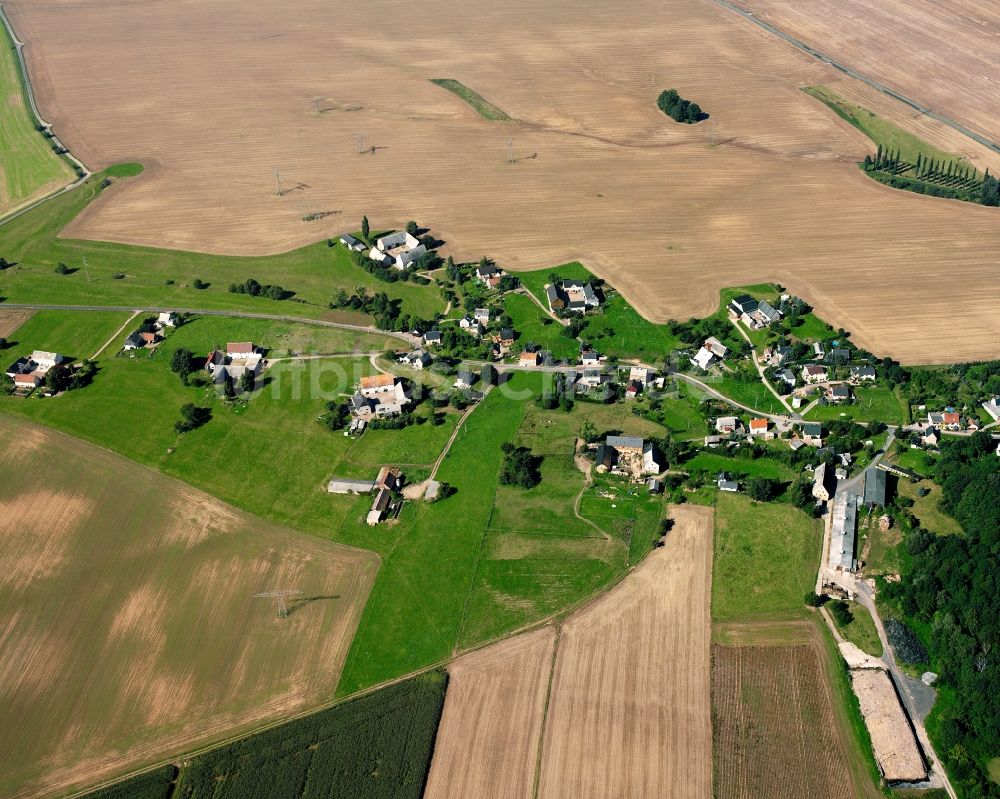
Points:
346	111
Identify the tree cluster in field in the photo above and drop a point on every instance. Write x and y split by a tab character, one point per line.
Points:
936	177
520	467
255	289
60	378
192	417
694	332
950	587
385	310
679	109
962	384
377	746
763	489
560	395
841	611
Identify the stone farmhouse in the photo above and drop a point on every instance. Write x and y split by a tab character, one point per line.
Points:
379	396
28	373
571	295
397	249
755	315
238	357
627	455
711	352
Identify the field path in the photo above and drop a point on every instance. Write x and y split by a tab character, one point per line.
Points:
115	335
630	711
454	435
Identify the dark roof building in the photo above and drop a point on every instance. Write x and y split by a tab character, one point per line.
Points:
876	481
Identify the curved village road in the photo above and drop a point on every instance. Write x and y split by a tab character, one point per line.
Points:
819	56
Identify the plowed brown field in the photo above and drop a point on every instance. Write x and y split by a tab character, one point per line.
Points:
629	713
942	55
128	631
213	97
487	743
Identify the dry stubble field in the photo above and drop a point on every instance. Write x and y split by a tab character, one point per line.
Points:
629	713
127	628
487	743
11	321
668	218
943	55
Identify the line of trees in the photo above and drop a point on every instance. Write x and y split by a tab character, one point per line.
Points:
255	289
679	109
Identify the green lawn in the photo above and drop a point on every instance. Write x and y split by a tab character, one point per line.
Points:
811	328
872	403
926	508
765	559
617	329
752	394
155	277
681	415
534	325
28	166
861	631
483	107
74	335
740	467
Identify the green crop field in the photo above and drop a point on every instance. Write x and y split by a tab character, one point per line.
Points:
766	557
29	168
483	107
378	745
165	278
739	467
124	660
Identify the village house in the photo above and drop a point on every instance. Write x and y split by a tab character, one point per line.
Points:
728	424
489	275
526	359
725	484
711	352
589	357
758	427
379	395
863	373
930	437
812	434
786	376
353	244
629	455
482	315
632	389
776	356
44	361
418	359
397	249
239	357
27	372
27	380
571	295
388	481
814	374
818	352
714	441
593	378
471	324
432	338
641	374
139	339
992	407
753	314
824	483
503	341
839	393
465	379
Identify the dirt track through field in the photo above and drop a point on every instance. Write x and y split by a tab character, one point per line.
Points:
487	744
646	203
629	713
109	663
11	321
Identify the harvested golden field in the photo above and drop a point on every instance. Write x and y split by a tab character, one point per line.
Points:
942	55
128	627
213	97
629	712
487	742
11	321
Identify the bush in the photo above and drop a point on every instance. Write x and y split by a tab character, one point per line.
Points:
841	612
679	109
192	417
520	467
62	269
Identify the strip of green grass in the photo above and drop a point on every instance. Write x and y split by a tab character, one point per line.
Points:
878	129
861	631
534	325
872	403
740	467
28	166
483	107
74	335
156	277
766	557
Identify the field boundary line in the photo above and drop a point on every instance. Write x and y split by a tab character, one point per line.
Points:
545	713
29	96
852	73
115	335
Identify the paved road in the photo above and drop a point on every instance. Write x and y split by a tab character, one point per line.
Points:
951	123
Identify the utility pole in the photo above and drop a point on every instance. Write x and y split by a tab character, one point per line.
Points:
277	183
